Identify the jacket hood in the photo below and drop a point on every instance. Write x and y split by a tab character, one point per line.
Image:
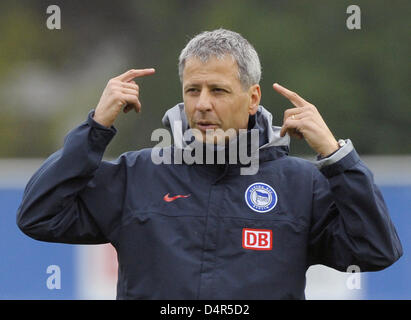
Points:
269	135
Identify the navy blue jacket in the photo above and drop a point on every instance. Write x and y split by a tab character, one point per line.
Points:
221	235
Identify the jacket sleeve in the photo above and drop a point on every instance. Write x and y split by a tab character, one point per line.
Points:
350	223
62	202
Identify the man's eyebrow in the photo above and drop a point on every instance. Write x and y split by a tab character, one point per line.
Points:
191	84
210	85
219	84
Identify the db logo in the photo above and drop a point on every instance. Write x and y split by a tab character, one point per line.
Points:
257	239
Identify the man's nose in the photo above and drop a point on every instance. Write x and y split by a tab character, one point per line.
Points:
204	101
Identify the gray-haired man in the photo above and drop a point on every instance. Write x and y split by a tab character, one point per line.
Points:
205	231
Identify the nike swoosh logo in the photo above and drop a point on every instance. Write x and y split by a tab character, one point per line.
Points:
169	199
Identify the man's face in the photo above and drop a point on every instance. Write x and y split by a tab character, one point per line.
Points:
215	99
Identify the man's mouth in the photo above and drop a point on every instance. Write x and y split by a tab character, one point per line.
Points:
206	125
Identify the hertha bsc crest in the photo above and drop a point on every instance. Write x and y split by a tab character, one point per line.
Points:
260	197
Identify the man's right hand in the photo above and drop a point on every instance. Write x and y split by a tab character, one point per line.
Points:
120	91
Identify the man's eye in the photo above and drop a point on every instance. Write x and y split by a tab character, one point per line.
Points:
218	90
192	90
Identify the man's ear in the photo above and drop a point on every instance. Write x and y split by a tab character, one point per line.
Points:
255	98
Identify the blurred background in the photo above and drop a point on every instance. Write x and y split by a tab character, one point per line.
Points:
51	79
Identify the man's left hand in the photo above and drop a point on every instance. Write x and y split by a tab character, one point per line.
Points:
304	121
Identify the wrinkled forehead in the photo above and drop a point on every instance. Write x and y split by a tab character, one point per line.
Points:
224	65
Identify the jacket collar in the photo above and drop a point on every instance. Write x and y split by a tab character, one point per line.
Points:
270	145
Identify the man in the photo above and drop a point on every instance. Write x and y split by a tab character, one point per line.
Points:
206	231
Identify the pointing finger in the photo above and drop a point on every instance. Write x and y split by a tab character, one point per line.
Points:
135	73
290	95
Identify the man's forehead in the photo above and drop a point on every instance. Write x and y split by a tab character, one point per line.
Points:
196	69
213	62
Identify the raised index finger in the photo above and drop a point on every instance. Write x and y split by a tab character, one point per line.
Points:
290	95
135	73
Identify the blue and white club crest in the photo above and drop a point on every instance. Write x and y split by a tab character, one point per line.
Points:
260	197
